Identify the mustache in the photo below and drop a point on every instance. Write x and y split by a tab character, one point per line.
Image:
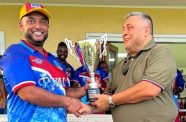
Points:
34	42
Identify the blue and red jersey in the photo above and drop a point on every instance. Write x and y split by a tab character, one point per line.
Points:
69	70
22	66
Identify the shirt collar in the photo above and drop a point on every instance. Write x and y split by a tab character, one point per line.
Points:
32	48
149	45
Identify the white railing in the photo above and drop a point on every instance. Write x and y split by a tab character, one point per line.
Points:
72	118
161	38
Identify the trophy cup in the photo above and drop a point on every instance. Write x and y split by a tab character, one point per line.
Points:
89	52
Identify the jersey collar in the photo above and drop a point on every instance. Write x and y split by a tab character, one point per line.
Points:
32	48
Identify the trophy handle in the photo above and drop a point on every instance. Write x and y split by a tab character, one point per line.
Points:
70	46
104	42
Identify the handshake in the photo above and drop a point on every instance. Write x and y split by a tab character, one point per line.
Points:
101	104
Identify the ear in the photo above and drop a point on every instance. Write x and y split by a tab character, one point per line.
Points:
20	25
147	30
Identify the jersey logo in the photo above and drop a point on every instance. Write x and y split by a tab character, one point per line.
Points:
37	60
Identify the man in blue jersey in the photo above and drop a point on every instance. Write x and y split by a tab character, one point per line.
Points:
62	54
33	77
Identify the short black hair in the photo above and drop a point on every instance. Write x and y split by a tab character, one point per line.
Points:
62	44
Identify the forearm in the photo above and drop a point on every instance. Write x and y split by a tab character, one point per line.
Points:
75	92
141	91
41	97
2	89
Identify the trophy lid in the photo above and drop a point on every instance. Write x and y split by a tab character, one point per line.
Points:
88	53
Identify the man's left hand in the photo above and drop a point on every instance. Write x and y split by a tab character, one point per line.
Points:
101	102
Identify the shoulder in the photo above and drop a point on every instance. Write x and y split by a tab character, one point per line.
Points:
13	48
52	55
16	46
80	68
53	58
15	52
16	49
159	53
161	50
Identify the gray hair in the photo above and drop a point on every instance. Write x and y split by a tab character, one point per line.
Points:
144	16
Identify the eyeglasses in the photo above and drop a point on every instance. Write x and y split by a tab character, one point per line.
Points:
125	67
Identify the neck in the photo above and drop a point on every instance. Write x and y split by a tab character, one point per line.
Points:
63	61
136	50
146	41
134	53
38	48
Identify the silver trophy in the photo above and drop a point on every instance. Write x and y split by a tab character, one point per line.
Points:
89	52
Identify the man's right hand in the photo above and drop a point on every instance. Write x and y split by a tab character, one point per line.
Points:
86	109
74	106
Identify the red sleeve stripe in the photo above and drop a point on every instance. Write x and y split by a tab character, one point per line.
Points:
23	84
155	83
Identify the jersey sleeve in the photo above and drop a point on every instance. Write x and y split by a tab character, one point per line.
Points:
17	70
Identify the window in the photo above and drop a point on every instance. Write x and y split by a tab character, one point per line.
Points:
176	43
2	42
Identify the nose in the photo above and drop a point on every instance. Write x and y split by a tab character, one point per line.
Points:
125	31
38	25
124	34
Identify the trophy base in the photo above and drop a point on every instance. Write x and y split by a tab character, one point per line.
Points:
92	91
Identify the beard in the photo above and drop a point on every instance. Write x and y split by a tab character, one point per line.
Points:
62	58
35	42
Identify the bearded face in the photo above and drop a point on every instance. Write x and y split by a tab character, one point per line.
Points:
35	28
62	53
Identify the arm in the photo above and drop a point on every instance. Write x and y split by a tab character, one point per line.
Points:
139	92
162	75
160	68
3	93
76	92
41	97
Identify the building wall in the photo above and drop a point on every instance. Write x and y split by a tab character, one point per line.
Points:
74	22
